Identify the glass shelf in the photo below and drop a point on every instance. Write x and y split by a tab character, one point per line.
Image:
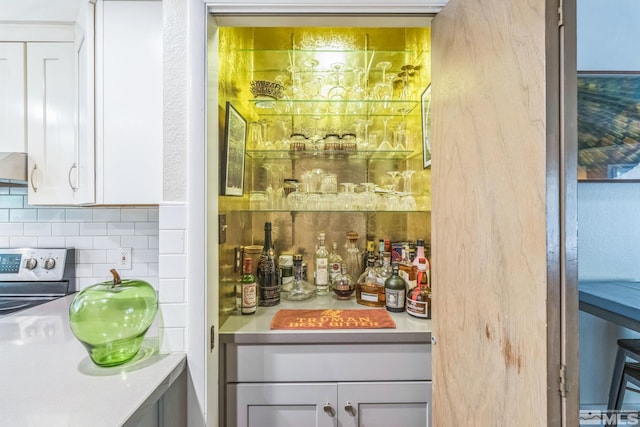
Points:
342	107
331	154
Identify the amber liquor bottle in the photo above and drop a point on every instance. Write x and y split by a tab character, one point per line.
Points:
268	281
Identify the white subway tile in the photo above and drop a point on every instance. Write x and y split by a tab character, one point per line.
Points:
78	215
85	282
154	215
172	290
172	241
145	255
173	315
120	228
173	217
152	280
93	229
106	214
154	242
65	229
50	242
11	229
134	214
173	266
9	201
23	215
135	242
84	270
92	256
50	214
138	270
172	340
4	190
23	241
103	271
79	242
153	268
146	228
4	242
36	229
19	191
4	214
106	242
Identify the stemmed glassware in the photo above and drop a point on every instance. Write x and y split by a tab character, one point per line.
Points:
385	145
346	200
368	196
338	91
407	199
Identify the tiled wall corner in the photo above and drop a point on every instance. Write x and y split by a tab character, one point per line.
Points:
172	276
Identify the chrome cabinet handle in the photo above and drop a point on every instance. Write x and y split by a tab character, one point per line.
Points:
73	166
328	409
348	407
33	178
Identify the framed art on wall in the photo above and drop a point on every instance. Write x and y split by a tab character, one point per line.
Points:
232	165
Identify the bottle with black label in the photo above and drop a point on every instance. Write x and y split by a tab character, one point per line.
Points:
248	299
268	280
395	290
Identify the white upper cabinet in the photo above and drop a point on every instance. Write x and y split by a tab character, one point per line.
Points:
12	98
128	102
51	129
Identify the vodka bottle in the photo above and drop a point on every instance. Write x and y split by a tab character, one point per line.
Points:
395	290
321	266
268	280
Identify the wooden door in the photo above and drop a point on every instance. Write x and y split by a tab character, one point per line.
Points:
282	405
502	220
384	404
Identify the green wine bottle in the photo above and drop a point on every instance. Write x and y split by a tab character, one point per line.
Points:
248	288
395	288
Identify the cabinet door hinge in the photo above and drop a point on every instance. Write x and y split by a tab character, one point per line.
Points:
561	14
563	381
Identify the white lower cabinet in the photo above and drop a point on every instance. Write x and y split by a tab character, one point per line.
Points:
362	404
332	384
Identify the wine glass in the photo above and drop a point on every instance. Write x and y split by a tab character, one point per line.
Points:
338	91
266	143
385	145
407	199
402	138
269	191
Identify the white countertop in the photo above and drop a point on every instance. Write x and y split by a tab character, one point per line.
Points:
48	379
255	328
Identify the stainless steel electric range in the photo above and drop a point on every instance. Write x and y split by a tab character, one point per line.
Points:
29	277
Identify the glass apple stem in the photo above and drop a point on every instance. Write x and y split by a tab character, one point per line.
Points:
116	277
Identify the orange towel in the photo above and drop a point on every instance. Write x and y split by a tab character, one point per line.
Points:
374	318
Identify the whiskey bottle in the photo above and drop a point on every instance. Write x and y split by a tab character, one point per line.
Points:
419	298
344	285
395	290
321	266
420	254
267	275
368	291
335	260
407	270
370	249
248	290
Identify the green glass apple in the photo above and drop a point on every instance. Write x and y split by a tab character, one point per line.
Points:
111	318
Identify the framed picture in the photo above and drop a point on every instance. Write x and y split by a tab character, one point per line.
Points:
609	126
426	127
232	167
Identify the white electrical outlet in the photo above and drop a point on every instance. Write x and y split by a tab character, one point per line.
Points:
124	258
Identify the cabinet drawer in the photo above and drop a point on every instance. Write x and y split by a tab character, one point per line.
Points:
327	362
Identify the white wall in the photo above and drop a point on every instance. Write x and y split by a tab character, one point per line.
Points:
608	230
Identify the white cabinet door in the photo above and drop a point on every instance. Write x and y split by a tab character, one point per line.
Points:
281	405
384	404
128	102
51	136
12	98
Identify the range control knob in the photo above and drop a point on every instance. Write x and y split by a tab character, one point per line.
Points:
30	263
49	263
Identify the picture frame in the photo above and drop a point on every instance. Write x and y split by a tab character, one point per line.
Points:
233	154
608	126
425	106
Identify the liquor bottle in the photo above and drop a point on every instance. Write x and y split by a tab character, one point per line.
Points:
248	289
268	280
395	289
354	267
370	249
321	265
408	271
301	290
420	255
368	291
344	285
419	298
335	260
384	271
380	257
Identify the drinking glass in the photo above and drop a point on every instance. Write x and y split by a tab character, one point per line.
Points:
337	91
385	145
266	143
407	200
296	199
346	200
402	138
368	196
